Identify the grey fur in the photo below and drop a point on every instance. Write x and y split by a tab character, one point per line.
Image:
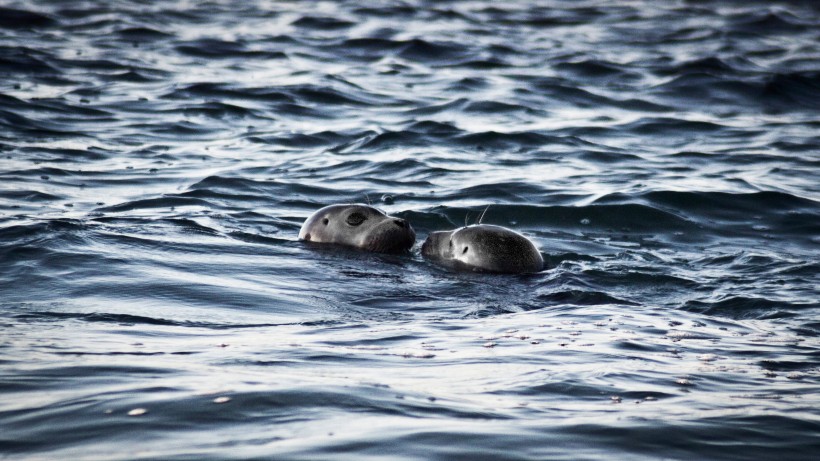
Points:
343	225
483	247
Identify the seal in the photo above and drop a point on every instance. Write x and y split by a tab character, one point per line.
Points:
483	248
359	226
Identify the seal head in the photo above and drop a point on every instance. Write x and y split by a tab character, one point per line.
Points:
359	226
483	247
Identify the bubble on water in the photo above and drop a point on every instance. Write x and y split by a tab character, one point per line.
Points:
388	199
585	221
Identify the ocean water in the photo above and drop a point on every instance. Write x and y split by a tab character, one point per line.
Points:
157	159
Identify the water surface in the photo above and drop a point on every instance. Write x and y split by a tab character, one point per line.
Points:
158	158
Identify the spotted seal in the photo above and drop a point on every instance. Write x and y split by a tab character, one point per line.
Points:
483	247
360	226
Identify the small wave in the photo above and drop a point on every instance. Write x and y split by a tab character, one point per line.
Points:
219	90
322	23
32	128
711	65
496	107
498	141
11	18
162	202
28	196
142	34
582	298
130	76
623	218
780	22
19	59
219	49
724	203
129	319
434	52
671	126
218	110
743	307
598	69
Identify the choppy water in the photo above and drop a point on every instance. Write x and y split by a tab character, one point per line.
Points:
158	158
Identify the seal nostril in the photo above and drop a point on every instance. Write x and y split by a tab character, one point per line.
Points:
401	223
465	250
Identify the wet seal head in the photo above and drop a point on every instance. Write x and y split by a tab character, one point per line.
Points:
483	247
359	226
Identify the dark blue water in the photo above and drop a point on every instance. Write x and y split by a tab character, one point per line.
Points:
157	159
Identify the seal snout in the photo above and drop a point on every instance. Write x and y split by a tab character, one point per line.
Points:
433	246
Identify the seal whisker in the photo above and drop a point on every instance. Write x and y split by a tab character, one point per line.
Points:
480	218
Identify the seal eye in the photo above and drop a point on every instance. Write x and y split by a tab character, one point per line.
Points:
355	219
465	250
325	221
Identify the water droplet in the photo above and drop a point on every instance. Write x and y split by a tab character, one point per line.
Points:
137	412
